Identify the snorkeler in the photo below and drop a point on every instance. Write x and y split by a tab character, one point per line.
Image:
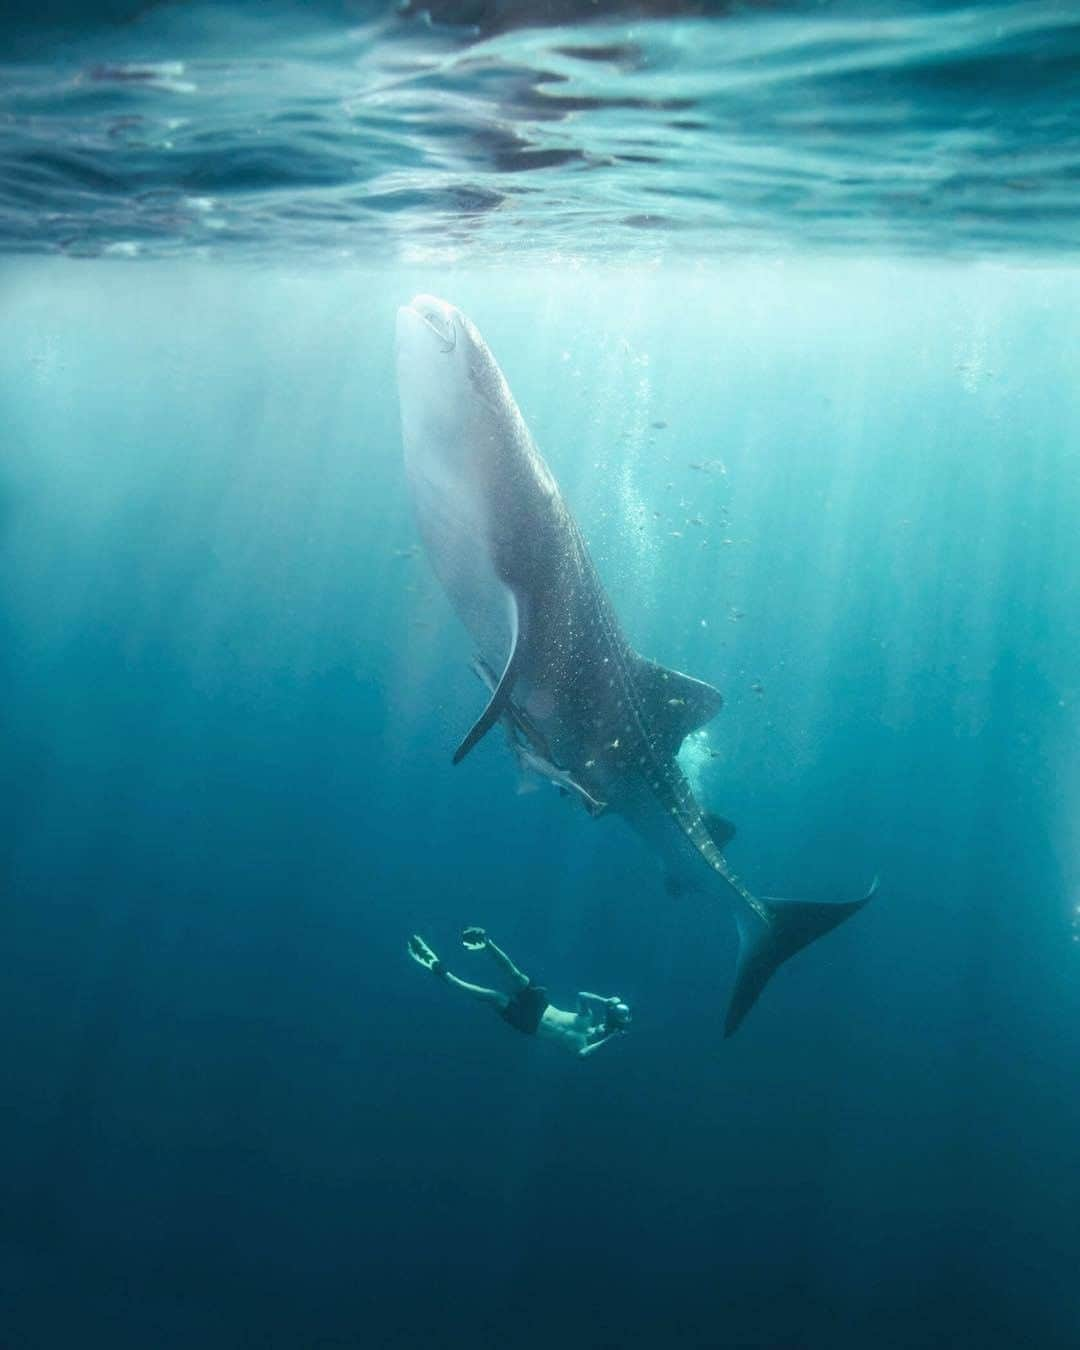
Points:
527	1009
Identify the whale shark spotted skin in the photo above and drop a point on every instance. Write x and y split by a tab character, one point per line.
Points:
578	704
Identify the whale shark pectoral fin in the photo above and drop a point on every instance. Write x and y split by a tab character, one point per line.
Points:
764	945
499	703
521	730
483	672
676	704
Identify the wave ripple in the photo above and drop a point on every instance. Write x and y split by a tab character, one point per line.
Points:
470	130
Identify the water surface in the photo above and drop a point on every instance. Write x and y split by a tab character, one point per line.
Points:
461	131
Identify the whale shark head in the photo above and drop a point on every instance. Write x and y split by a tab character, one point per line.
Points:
455	402
463	437
427	330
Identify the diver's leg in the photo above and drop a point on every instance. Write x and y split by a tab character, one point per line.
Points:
478	991
505	964
422	954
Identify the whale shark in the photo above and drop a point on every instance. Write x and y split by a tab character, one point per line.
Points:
577	703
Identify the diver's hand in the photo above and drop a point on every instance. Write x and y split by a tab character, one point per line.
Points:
422	954
474	939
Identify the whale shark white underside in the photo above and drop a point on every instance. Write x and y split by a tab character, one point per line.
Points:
578	705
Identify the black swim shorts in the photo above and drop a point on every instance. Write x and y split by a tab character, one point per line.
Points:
526	1008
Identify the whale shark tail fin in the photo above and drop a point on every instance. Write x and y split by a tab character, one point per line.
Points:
764	946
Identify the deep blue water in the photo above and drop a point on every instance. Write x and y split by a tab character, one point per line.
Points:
239	1116
821	431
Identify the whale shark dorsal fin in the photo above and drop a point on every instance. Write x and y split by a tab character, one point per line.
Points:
676	704
499	703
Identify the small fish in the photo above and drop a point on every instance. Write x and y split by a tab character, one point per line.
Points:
700	467
590	763
659	426
676	534
614	744
758	687
406	552
676	703
736	614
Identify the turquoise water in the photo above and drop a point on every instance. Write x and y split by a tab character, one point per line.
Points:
453	131
824	448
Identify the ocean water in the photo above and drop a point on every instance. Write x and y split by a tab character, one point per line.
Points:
789	299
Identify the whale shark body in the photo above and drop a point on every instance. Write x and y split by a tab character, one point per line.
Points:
577	703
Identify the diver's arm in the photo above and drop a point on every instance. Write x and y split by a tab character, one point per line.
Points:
595	1045
587	1000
